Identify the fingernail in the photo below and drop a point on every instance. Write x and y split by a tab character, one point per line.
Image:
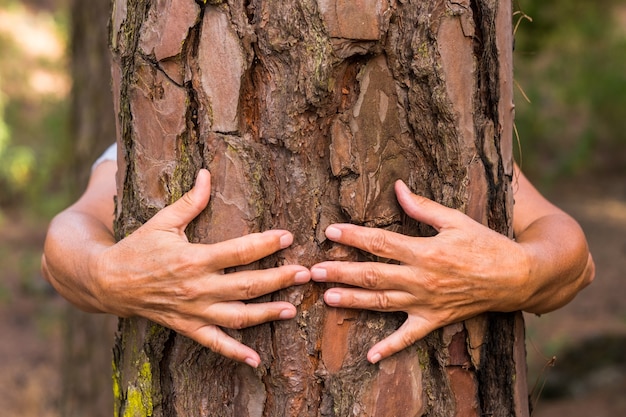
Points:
253	363
375	357
286	314
404	188
318	274
301	277
333	233
286	240
332	297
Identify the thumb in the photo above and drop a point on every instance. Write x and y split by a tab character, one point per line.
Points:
423	209
180	213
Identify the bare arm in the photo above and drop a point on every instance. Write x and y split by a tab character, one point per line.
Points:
156	273
76	237
463	271
560	263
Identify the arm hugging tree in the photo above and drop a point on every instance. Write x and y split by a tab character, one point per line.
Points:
306	113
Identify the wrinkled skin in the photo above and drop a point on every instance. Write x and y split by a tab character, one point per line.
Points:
157	274
465	270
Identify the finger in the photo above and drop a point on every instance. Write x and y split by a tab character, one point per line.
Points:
244	250
410	332
238	315
219	342
180	213
246	285
368	275
423	209
380	242
357	298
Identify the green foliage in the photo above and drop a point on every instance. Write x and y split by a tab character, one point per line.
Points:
571	62
34	87
16	162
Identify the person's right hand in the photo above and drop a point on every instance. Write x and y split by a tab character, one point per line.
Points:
157	274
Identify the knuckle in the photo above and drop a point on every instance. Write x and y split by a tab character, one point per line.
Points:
188	202
436	257
214	343
206	336
248	289
377	242
186	199
382	301
239	320
187	292
407	339
429	285
431	252
244	253
371	277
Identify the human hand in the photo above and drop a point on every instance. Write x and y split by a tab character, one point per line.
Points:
157	274
465	270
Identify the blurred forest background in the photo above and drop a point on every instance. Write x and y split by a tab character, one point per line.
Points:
570	72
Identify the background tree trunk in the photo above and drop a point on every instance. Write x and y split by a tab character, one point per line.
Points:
92	117
87	355
306	112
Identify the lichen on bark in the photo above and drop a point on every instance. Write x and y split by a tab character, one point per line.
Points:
306	112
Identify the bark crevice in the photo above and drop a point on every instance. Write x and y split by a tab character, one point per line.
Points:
306	117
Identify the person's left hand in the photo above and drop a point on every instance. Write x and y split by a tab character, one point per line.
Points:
465	270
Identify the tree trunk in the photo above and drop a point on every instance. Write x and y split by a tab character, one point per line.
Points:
306	112
86	376
92	117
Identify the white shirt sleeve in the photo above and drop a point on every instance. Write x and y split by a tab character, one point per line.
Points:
109	155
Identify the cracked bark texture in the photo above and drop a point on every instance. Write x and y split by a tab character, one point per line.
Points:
306	112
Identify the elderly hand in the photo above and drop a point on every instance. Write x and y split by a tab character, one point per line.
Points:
157	274
465	270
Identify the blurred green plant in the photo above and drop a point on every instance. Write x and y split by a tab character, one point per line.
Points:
571	63
34	131
16	162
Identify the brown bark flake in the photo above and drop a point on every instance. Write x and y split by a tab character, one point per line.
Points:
354	19
306	112
167	27
221	67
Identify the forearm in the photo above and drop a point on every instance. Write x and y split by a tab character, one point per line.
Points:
560	263
71	250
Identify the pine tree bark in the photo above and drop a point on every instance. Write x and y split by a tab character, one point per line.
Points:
306	112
